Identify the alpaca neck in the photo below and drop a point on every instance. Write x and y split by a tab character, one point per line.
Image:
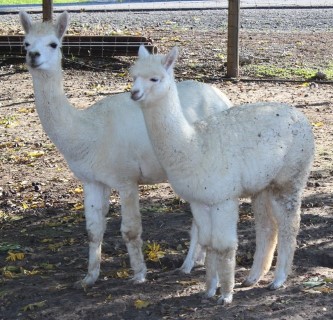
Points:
54	110
172	136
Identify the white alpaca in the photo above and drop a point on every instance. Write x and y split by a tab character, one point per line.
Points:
263	151
106	145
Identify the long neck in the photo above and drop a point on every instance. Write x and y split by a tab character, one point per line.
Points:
172	136
59	119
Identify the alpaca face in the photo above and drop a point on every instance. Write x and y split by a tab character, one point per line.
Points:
43	52
152	75
43	42
147	86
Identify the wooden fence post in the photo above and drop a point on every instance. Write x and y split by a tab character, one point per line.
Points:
47	10
233	39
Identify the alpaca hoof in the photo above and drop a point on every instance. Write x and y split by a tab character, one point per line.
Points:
137	280
139	277
186	268
78	285
81	284
209	293
225	299
275	285
248	283
87	281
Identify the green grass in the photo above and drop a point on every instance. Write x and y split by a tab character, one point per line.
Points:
271	71
20	2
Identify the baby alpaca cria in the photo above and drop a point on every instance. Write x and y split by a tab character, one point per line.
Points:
263	151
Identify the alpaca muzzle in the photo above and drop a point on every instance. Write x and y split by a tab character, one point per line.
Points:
33	57
136	95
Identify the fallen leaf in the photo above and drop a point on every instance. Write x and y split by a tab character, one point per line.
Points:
13	256
122	274
188	283
46	240
323	289
314	282
28	272
140	304
78	190
109	297
78	206
25	206
47	266
26	110
5	246
154	252
33	306
317	124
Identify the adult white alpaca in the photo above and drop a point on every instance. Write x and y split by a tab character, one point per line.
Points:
262	150
106	145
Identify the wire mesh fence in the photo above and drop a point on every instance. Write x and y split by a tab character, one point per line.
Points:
276	42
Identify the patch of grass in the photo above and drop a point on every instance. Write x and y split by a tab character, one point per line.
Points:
329	70
271	71
4	216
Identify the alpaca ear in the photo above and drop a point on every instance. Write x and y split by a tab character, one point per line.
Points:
143	52
62	24
25	21
170	59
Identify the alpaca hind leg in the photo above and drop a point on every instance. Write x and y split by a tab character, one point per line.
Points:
196	254
96	206
131	229
266	237
286	209
224	243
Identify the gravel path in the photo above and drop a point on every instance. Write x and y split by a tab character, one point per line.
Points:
310	19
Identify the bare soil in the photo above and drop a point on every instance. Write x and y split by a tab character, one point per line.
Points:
41	214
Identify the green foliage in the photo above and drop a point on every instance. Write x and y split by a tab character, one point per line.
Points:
271	71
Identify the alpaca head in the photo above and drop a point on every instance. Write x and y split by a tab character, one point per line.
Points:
43	42
152	75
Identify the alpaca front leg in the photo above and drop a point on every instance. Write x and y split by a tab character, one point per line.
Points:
131	229
211	273
196	254
266	237
226	262
96	203
224	242
203	222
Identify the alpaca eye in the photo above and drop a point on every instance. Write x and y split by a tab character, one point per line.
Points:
26	44
53	45
154	79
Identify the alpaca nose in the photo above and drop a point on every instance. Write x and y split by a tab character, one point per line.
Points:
136	95
34	55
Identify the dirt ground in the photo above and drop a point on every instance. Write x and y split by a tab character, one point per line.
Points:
41	216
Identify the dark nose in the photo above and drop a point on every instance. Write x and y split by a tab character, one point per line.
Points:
34	55
135	95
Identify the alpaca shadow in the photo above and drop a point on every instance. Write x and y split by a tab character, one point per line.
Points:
98	64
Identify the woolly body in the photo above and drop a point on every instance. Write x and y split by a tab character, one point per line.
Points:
262	150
